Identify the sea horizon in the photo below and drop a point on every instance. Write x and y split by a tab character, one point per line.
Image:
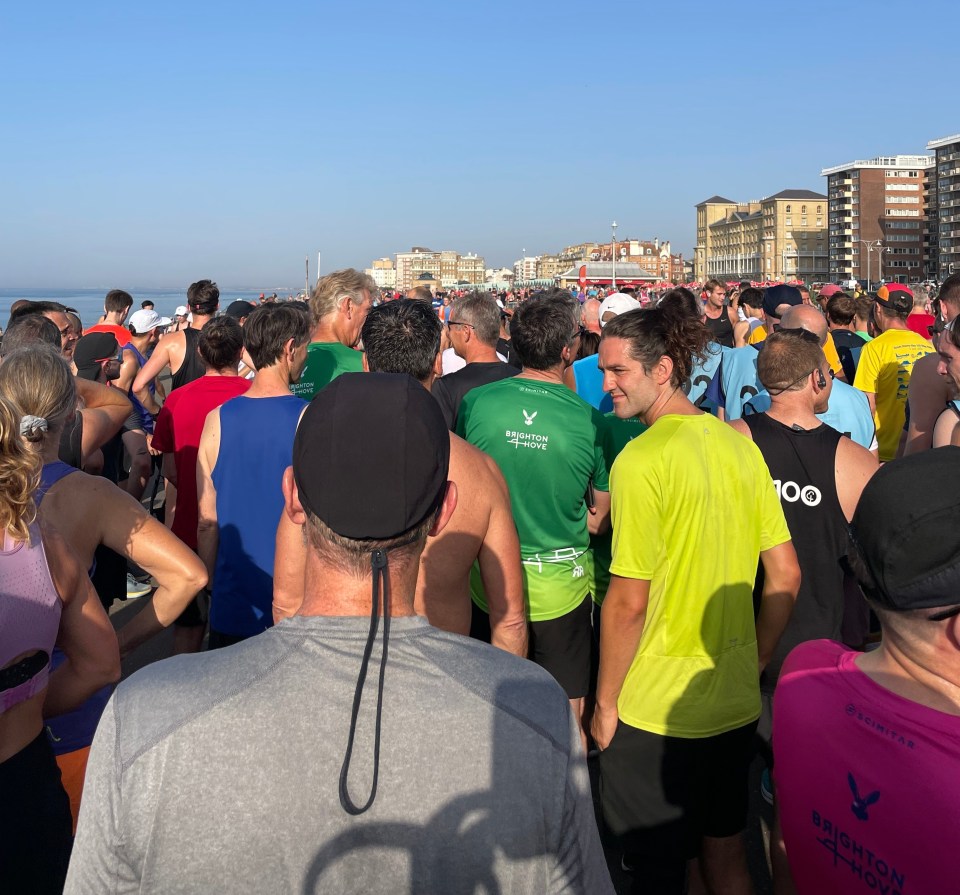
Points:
88	300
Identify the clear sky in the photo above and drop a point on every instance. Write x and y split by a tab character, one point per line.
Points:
154	144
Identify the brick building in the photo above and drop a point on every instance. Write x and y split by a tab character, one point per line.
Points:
878	219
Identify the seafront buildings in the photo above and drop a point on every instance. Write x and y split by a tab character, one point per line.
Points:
781	237
943	206
446	269
878	219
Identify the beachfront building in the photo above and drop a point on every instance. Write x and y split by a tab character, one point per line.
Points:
878	218
779	238
383	273
448	268
653	256
606	273
943	208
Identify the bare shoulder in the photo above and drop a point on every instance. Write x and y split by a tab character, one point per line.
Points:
472	461
851	456
740	426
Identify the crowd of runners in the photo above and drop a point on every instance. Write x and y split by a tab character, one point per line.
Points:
422	559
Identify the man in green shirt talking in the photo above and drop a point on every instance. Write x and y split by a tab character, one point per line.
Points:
547	442
338	305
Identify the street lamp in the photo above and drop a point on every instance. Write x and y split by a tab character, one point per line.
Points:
613	255
880	251
870	244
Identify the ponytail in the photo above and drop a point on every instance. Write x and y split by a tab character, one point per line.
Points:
19	476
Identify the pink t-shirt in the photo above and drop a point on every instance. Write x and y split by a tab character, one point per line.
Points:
868	783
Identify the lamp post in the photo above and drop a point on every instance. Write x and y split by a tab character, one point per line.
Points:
870	244
880	250
613	255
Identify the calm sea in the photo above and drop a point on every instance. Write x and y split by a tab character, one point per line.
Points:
89	302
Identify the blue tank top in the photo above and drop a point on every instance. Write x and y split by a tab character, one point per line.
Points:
146	420
588	379
256	446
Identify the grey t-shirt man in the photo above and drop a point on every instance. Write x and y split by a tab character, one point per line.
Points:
219	772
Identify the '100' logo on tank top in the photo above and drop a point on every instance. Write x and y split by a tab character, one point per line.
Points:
791	492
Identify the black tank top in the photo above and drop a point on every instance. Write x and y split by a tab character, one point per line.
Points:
802	465
192	366
722	329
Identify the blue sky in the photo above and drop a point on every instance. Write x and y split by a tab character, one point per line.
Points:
151	145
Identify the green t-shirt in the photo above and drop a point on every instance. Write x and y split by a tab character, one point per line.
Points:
325	362
693	507
616	435
547	442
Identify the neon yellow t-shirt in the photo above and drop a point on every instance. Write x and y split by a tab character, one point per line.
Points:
884	369
693	507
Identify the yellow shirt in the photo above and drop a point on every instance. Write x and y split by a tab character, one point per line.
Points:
884	369
829	348
693	505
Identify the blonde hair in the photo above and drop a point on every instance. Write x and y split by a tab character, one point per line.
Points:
19	476
332	289
38	382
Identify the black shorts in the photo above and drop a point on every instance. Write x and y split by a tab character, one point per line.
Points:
661	795
197	612
35	824
564	646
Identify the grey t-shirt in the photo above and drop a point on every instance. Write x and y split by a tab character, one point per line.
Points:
219	772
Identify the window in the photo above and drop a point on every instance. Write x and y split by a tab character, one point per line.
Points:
803	209
788	209
818	209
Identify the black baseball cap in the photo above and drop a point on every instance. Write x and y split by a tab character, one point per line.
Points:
371	455
906	531
90	350
776	296
239	309
897	297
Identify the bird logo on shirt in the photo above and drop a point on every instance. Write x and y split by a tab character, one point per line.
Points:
528	418
860	805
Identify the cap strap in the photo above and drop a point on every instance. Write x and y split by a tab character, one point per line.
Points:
378	565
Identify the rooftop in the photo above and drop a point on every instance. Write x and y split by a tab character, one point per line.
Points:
716	200
943	141
796	194
883	161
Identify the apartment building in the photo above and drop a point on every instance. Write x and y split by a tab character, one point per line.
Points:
878	218
653	257
943	208
781	237
383	272
447	267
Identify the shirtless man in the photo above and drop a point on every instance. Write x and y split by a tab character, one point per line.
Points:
404	337
178	350
929	392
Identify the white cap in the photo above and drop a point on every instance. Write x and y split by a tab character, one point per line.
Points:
181	311
618	303
146	320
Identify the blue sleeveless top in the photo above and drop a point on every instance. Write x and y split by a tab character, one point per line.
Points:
146	420
256	446
588	379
